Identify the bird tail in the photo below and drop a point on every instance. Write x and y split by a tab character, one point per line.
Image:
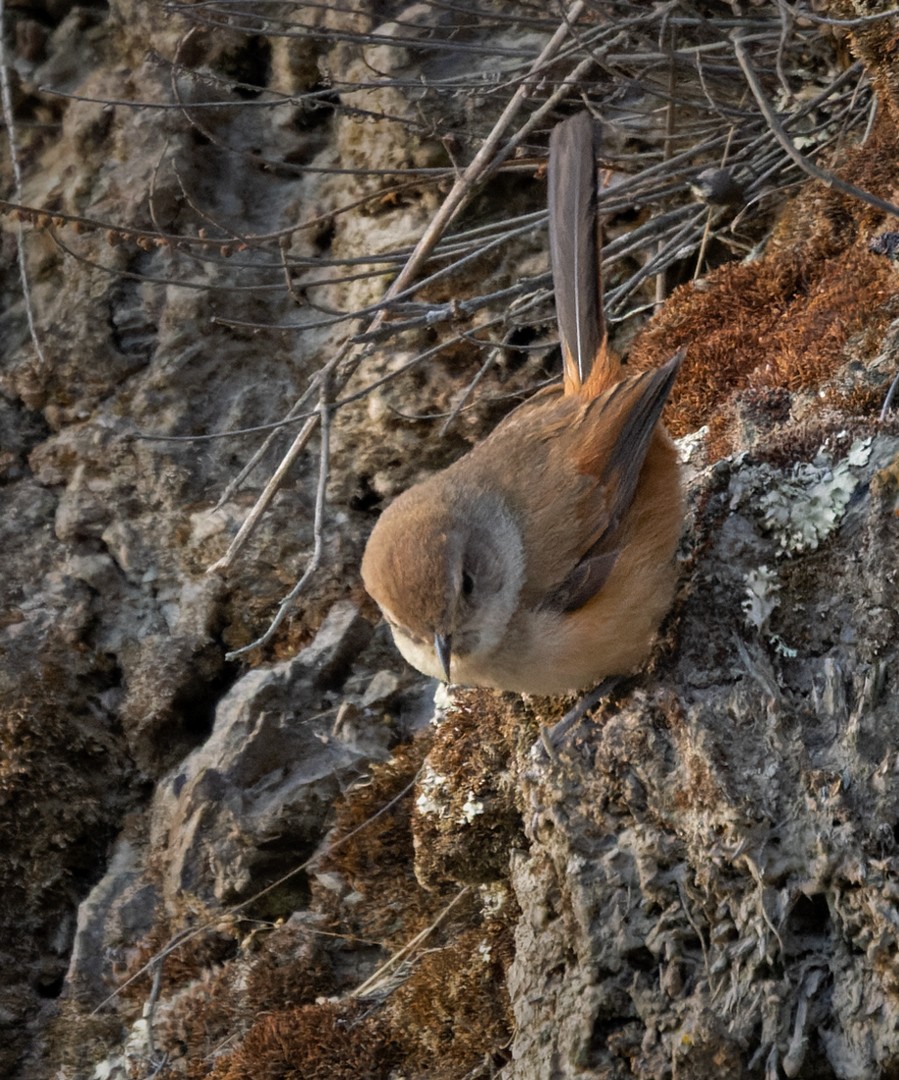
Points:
575	244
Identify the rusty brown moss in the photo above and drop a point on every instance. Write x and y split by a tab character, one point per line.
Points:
468	821
785	320
328	1041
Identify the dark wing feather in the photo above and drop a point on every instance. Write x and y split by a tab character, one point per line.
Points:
584	582
634	407
641	400
574	245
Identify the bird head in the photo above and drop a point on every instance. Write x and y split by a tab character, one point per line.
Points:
446	568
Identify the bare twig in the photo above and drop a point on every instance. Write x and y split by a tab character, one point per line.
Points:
10	122
296	448
324	411
390	965
888	401
344	365
830	179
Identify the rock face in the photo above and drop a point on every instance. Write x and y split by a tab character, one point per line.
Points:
733	839
270	864
263	779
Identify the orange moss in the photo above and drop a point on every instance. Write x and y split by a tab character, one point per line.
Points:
723	326
329	1041
808	343
765	324
454	1009
784	320
376	862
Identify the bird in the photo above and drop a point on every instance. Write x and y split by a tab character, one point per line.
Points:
543	560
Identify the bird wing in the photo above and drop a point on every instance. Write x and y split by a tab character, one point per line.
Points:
613	441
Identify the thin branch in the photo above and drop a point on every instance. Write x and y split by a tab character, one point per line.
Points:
10	122
888	401
830	179
468	391
295	413
325	409
342	367
268	493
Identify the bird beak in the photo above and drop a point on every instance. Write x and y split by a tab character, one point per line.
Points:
443	646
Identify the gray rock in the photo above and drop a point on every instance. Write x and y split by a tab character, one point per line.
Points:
266	776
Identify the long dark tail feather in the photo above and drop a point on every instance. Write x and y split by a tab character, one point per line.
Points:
574	246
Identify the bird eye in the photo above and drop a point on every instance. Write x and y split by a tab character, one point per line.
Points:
467	583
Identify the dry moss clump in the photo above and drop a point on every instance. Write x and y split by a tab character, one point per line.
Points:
454	1010
278	969
466	819
331	1041
437	1014
786	320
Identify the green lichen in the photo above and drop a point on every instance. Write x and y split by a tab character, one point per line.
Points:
802	507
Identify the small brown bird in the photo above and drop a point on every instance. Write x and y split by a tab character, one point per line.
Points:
543	560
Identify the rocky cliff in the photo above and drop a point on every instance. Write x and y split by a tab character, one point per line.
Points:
288	257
